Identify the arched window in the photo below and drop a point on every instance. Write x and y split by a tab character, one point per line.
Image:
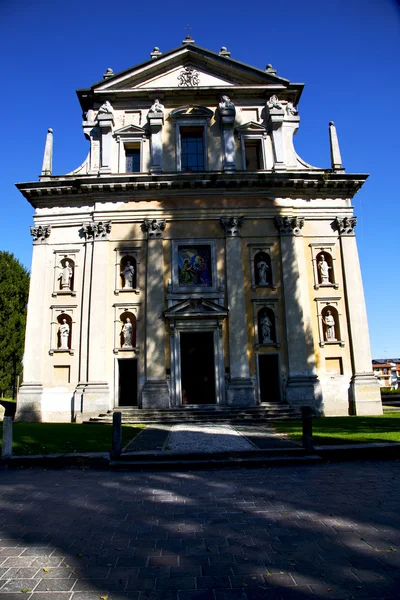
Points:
64	332
266	326
262	269
128	330
66	277
128	272
330	323
324	268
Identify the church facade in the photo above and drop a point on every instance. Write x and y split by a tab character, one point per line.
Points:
194	258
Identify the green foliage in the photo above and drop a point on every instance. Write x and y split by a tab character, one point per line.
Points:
14	288
387	391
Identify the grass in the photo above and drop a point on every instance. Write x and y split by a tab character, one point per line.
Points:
347	430
59	438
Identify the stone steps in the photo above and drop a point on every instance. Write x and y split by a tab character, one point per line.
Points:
204	414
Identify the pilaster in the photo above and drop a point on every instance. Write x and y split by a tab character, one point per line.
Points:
240	388
155	392
365	396
227	113
303	386
105	119
156	121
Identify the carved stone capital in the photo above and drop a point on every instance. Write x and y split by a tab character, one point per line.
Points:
289	225
231	225
154	228
98	230
345	226
40	233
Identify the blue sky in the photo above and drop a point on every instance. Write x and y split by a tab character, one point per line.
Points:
345	51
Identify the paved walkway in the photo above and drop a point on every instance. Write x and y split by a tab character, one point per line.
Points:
320	531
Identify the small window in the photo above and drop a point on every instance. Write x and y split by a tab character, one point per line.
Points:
132	160
192	149
252	149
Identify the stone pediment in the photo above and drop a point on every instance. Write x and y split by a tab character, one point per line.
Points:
130	130
251	127
186	67
196	308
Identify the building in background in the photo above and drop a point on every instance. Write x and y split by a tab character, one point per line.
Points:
194	258
387	370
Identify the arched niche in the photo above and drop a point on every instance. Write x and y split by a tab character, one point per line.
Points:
266	326
330	324
324	264
128	318
64	331
262	268
67	274
128	272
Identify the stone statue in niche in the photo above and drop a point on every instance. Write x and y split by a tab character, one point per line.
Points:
157	107
266	327
128	274
127	332
66	276
262	271
329	322
323	269
63	333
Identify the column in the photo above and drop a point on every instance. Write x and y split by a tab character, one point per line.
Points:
29	403
303	387
227	113
365	396
240	389
156	121
96	392
155	392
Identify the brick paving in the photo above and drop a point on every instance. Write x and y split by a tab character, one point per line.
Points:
319	531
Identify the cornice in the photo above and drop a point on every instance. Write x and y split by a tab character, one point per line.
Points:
299	184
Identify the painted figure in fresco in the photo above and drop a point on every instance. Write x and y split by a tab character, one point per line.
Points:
128	274
66	276
323	269
127	331
63	333
262	269
194	267
329	322
200	266
186	274
266	327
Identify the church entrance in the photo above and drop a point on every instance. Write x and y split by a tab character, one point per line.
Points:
269	377
127	382
197	367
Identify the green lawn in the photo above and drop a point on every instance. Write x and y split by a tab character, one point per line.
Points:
49	438
347	430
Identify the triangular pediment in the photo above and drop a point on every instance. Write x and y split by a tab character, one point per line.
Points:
196	307
171	70
132	130
251	127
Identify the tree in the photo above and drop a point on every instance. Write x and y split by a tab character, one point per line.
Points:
14	289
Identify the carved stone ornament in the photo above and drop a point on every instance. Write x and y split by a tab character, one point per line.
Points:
291	110
289	225
273	102
157	107
226	106
232	225
97	230
153	228
105	109
346	225
40	233
188	77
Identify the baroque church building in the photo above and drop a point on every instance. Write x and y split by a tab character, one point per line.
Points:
194	258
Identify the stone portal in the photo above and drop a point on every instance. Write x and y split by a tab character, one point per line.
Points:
197	368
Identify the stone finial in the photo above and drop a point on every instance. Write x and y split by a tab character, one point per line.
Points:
109	73
156	52
345	225
231	225
270	70
289	225
187	40
48	154
224	52
153	228
336	159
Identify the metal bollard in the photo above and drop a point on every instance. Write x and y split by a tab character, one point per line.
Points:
6	450
306	415
117	434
